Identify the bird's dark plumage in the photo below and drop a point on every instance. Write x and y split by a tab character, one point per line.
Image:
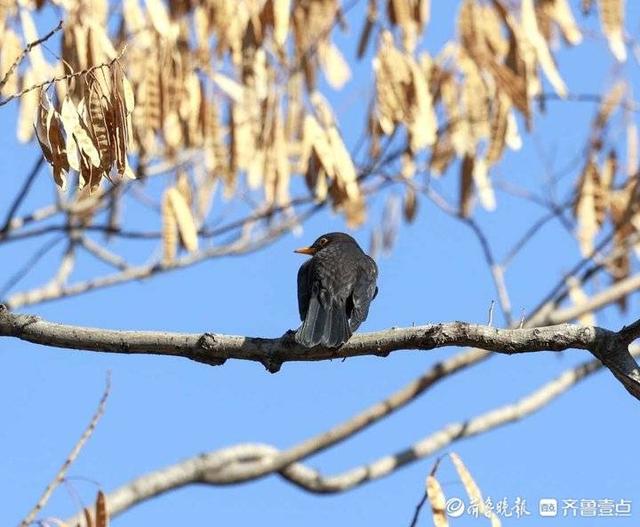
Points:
335	288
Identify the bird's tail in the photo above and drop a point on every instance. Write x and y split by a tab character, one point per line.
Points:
324	325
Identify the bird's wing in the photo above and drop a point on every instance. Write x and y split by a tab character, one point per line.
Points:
322	309
304	288
364	291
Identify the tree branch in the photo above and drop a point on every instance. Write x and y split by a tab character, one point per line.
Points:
245	462
59	478
244	244
214	349
26	186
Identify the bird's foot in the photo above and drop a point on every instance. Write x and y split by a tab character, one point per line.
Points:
289	338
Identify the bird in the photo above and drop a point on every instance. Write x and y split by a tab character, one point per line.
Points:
335	288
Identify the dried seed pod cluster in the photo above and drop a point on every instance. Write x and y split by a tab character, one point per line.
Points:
239	83
91	136
600	200
494	69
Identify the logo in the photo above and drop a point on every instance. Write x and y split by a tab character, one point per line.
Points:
454	507
548	507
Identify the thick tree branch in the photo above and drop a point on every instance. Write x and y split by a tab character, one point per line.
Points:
610	347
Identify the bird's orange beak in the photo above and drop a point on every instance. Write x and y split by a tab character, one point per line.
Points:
305	250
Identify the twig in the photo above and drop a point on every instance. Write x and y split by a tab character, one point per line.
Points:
526	237
40	214
242	246
562	283
425	496
66	76
416	514
26	51
103	254
71	458
585	97
495	269
29	264
22	194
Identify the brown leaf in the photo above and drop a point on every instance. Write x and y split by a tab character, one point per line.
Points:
281	15
345	186
609	103
39	65
632	149
369	23
315	141
229	86
169	230
585	209
10	50
206	188
472	489
77	139
579	298
483	184
612	19
407	166
51	139
562	15
184	220
157	11
334	65
402	15
437	502
498	129
458	123
87	517
184	187
441	155
99	120
608	175
421	122
543	54
410	204
28	107
466	185
121	125
102	515
393	74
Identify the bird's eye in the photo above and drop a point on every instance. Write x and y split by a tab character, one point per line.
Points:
324	241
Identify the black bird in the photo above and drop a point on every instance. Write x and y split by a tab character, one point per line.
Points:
335	288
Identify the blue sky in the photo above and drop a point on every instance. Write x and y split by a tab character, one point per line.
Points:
161	410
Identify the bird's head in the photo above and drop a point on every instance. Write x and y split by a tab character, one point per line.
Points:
324	241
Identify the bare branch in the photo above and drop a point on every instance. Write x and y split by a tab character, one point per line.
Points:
40	214
31	177
550	315
242	246
65	77
225	465
26	51
29	265
103	254
71	458
215	349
